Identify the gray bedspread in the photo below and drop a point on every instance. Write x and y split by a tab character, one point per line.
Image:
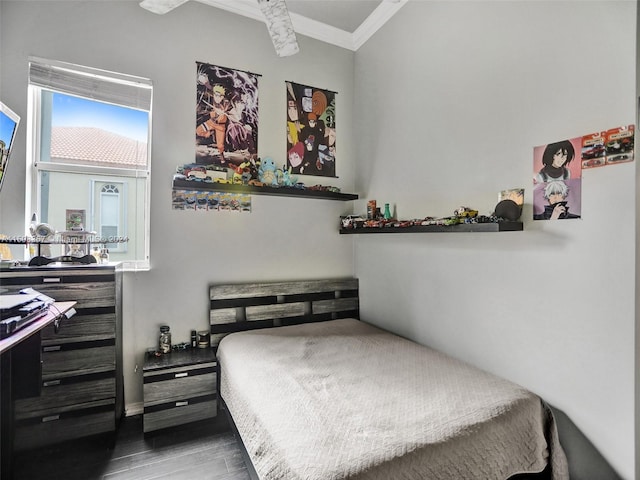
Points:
345	400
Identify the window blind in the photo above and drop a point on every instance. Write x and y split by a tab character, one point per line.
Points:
109	87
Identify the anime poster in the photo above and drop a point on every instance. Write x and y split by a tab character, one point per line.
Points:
557	193
226	115
311	130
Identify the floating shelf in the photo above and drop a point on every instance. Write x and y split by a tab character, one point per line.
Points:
459	228
253	190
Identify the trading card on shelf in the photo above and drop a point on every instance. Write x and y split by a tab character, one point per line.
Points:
245	203
213	201
201	201
234	202
190	200
619	144
593	150
225	202
178	200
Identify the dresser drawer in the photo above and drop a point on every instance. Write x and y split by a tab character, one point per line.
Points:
179	413
56	394
180	386
67	425
59	361
86	295
96	325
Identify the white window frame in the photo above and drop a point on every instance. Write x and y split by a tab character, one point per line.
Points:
91	83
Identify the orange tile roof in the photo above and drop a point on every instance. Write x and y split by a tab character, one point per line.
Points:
90	144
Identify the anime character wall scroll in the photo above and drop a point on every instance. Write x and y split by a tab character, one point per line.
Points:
226	115
558	166
311	130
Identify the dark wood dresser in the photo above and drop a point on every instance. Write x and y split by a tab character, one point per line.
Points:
82	380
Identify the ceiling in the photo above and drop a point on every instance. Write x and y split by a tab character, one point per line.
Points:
345	15
344	23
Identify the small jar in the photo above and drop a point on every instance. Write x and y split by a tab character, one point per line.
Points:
104	256
164	342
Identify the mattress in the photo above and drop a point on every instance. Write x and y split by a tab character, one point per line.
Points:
343	399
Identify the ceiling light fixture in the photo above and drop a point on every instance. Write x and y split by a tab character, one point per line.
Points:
280	28
275	13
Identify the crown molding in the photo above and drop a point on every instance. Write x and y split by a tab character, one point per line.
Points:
380	16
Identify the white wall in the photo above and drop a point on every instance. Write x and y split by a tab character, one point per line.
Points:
451	98
283	238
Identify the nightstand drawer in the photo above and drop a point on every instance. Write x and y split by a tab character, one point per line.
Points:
179	413
180	385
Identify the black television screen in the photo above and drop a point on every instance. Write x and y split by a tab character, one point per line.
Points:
8	126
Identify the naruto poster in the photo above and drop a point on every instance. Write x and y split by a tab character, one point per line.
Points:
226	115
311	130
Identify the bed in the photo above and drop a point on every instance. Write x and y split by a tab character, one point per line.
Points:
328	396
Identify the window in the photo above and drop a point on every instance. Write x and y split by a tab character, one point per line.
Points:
89	136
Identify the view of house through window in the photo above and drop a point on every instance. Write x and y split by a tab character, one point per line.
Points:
92	154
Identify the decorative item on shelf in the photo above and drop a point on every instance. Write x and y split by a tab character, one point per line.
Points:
372	210
387	212
164	342
104	255
510	204
204	338
267	172
76	241
95	253
76	219
465	212
44	232
508	210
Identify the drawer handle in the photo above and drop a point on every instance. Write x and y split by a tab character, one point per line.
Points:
182	404
51	383
51	280
50	418
54	348
180	375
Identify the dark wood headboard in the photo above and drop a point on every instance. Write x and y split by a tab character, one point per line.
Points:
246	306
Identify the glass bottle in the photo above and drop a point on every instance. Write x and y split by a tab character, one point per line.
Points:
104	255
387	212
164	342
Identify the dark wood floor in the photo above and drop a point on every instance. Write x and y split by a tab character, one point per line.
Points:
198	451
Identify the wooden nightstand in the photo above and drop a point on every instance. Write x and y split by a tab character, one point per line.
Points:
179	387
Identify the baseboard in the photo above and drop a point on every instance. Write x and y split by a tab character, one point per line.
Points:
132	409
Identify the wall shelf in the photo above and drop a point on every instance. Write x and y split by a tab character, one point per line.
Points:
459	228
253	190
